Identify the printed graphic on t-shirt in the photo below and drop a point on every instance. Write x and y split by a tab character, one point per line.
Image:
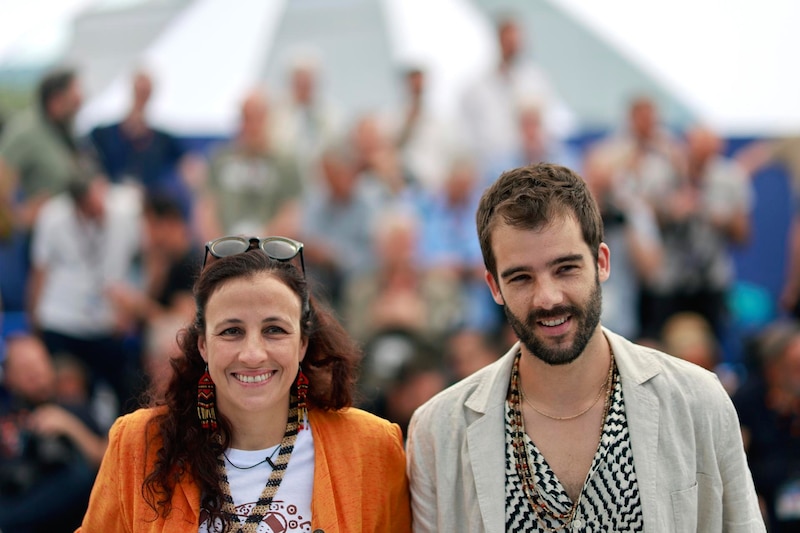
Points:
282	517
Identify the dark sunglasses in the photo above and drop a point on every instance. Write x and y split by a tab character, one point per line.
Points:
276	248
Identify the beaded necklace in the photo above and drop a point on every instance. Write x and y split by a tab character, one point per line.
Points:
606	383
258	512
522	457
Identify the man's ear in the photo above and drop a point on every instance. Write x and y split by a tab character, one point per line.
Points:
603	262
494	287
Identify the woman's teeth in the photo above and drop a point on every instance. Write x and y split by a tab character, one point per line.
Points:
254	379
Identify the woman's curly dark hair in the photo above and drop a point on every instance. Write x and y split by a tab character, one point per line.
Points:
181	445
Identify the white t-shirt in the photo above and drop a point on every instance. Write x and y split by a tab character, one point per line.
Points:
290	511
82	258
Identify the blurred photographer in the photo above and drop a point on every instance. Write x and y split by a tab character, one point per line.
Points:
632	234
49	452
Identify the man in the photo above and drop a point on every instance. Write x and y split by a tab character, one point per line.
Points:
50	449
252	188
702	214
426	142
133	150
170	260
643	150
38	153
630	228
769	406
304	120
526	444
490	105
337	224
38	157
85	241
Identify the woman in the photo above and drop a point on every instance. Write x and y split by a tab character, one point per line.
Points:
244	441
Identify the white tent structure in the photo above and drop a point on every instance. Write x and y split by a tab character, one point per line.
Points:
211	54
203	62
725	63
722	62
35	30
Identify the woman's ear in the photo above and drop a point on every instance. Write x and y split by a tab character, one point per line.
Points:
303	348
201	346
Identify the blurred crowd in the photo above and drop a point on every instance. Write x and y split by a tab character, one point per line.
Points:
101	237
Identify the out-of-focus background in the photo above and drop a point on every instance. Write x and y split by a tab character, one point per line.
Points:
368	129
722	64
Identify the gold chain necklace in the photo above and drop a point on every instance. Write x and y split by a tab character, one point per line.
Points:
606	383
258	512
522	457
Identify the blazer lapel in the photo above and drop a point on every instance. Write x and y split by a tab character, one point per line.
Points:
642	408
486	443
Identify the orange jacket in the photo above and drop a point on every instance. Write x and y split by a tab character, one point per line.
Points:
360	482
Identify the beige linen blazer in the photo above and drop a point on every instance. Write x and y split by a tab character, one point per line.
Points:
685	438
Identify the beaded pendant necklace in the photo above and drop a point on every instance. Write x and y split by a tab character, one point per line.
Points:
522	458
258	512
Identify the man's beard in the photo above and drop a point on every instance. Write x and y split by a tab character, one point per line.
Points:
587	320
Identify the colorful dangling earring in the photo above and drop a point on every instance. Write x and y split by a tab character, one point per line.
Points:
302	393
205	402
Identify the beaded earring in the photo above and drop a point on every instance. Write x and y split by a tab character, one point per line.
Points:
302	391
205	402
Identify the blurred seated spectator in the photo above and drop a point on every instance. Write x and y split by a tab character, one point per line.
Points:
449	246
72	380
643	151
49	450
135	151
171	260
85	241
489	105
416	383
426	142
399	294
689	336
702	213
631	232
337	225
378	160
768	403
252	188
39	155
467	350
400	372
304	120
536	145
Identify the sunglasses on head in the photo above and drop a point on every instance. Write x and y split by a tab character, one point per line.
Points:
276	248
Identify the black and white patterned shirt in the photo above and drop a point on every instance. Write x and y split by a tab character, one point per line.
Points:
610	499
